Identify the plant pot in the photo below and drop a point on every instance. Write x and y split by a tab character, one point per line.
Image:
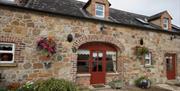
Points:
116	84
145	83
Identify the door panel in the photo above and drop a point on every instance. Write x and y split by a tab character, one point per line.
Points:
98	66
171	66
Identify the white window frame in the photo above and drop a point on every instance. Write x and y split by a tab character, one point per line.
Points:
148	56
13	52
166	23
114	54
103	11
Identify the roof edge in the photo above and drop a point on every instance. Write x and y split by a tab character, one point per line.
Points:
94	19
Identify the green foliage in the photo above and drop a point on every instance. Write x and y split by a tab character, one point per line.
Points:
3	89
55	85
141	51
29	86
116	84
138	81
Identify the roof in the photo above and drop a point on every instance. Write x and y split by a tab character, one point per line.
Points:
75	8
157	15
87	4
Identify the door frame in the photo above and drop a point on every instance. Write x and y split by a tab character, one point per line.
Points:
103	72
98	46
175	64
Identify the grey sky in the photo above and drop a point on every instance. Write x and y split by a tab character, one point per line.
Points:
149	7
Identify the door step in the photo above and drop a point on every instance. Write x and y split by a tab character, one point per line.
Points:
171	82
97	87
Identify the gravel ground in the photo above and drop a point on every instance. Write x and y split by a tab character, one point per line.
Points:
135	89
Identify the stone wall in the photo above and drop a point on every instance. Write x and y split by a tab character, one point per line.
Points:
28	26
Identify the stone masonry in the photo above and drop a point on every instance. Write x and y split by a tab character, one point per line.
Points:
24	27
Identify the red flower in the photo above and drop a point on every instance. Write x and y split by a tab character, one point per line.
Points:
46	44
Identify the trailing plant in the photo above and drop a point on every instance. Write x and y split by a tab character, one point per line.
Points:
55	85
47	46
141	51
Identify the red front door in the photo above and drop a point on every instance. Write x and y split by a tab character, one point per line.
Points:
97	61
98	66
171	66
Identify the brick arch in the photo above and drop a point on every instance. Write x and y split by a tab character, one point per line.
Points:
98	38
94	38
10	39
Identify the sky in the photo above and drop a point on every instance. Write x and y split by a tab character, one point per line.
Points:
149	7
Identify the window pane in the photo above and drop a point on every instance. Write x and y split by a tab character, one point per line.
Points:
147	61
165	20
99	7
111	61
109	66
6	56
165	23
82	67
83	54
99	13
6	47
83	57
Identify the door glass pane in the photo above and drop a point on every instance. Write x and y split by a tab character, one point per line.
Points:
100	56
82	67
100	66
169	65
94	66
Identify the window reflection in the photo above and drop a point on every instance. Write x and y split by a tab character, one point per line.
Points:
111	61
83	61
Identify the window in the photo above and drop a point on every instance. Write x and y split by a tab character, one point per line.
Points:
83	61
7	52
169	65
111	61
148	59
99	10
166	23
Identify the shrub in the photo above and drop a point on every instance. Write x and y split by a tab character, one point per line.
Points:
55	85
28	86
3	89
140	82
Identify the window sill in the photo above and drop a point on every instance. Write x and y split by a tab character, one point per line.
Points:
83	74
112	73
8	64
149	66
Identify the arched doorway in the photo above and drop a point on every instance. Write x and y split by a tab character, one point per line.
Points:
97	58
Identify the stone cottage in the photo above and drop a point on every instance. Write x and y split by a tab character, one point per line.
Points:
92	43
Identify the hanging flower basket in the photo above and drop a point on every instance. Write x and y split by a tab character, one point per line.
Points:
47	47
141	51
